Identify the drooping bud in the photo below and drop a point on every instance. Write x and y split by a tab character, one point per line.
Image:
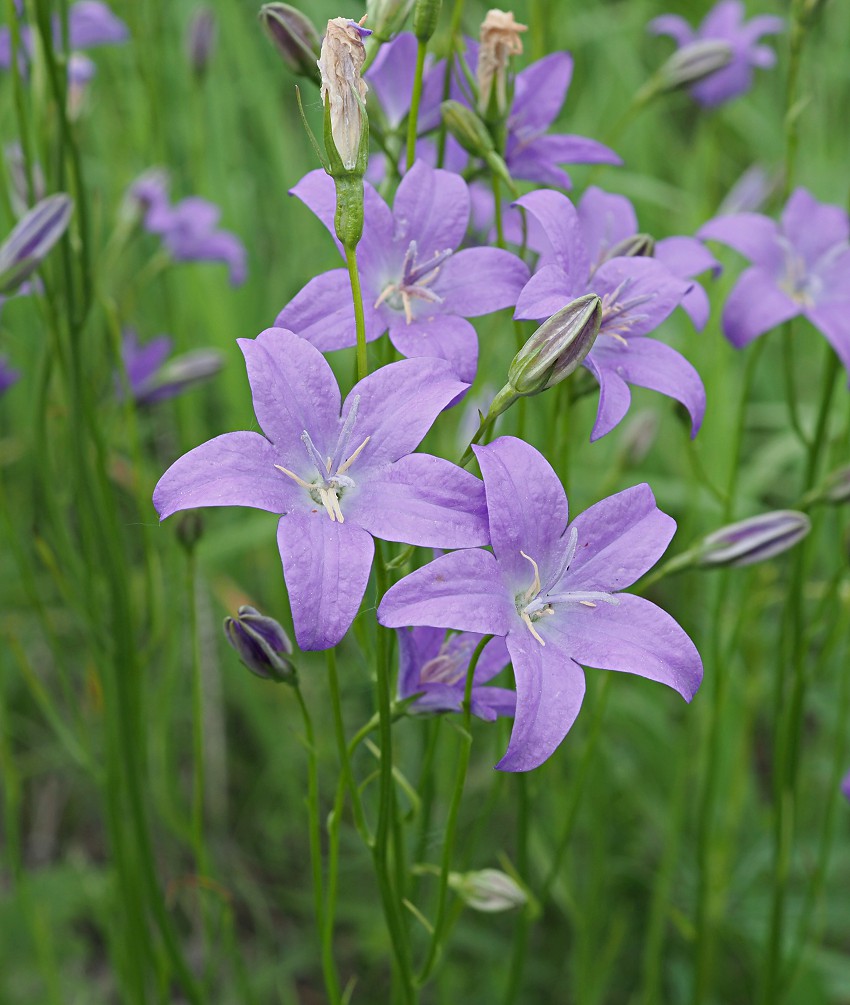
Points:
294	36
26	247
691	64
488	890
425	17
755	539
636	246
749	193
200	40
387	17
261	644
499	38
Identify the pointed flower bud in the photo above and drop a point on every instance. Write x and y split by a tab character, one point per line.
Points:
425	17
488	890
836	488
387	17
636	246
293	35
344	92
467	129
200	40
261	644
755	539
499	38
19	186
26	247
692	63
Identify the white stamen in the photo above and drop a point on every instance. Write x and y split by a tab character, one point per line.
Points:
345	466
531	627
324	495
294	477
534	589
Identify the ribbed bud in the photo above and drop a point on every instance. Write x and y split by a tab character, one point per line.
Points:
344	94
426	14
636	246
467	128
836	488
499	39
754	540
693	63
261	644
387	17
294	36
200	40
26	247
19	187
488	890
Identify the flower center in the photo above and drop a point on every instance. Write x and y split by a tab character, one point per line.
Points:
538	602
618	311
414	283
331	481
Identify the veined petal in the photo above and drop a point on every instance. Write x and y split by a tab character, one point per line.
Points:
432	208
326	566
605	219
443	336
560	223
480	280
750	234
461	590
548	290
533	161
550	689
833	320
391	77
755	306
638	294
813	227
569	148
614	397
422	500
685	256
235	469
539	91
323	313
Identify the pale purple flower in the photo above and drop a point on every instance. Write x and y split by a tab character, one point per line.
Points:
552	590
434	665
90	24
725	23
845	785
415	284
8	375
638	294
801	266
151	379
337	472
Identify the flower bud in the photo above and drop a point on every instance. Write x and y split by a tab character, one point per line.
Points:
190	529
557	347
836	487
500	39
467	128
749	193
425	17
293	35
261	644
488	890
183	371
344	93
387	17
636	246
755	539
26	247
693	63
19	186
200	40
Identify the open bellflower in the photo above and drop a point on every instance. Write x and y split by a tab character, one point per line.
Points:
801	266
724	23
433	666
552	589
337	472
91	23
637	295
415	284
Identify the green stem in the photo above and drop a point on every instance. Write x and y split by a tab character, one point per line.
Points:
497	210
523	927
454	30
344	751
359	318
415	99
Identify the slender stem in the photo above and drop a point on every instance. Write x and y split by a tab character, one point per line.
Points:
359	318
415	99
454	29
344	752
523	927
497	211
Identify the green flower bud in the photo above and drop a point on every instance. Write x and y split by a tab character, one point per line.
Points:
261	644
488	890
467	128
387	17
636	246
693	63
426	14
294	36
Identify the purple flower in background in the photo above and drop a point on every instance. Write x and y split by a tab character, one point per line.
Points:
638	294
150	379
434	667
8	375
90	24
845	785
32	238
800	266
725	23
337	472
415	285
552	590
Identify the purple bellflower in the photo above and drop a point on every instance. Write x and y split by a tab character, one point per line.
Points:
725	23
8	375
434	667
551	589
800	266
638	294
415	284
90	24
338	473
150	379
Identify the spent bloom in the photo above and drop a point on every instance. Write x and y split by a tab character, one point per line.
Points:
552	589
433	666
637	295
724	23
499	39
151	379
343	89
801	266
415	284
337	472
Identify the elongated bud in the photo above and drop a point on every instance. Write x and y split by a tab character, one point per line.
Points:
26	247
499	38
755	539
836	487
387	17
426	15
261	644
178	374
294	36
693	63
344	91
473	135
488	890
636	246
19	187
200	40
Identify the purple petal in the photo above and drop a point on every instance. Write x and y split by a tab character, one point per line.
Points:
762	24
755	306
142	361
724	20
533	160
724	85
293	388
550	689
619	539
559	221
326	567
697	306
494	658
833	320
614	398
813	227
685	257
415	647
422	500
479	281
235	469
527	509
752	235
539	92
604	219
323	313
443	336
633	636
548	290
92	23
638	293
461	590
567	148
676	27
432	208
391	77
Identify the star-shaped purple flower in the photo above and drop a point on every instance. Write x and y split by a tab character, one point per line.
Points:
415	284
725	23
637	295
90	23
552	590
800	266
433	666
337	472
